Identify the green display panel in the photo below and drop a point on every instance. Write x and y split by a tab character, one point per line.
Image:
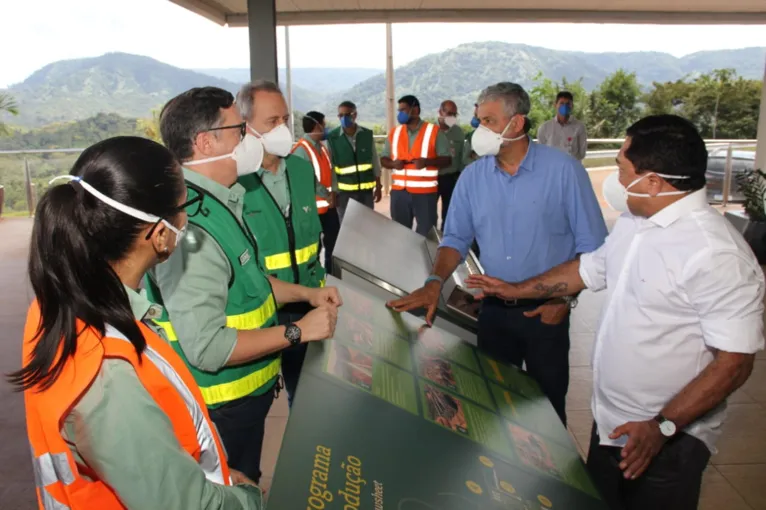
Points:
393	415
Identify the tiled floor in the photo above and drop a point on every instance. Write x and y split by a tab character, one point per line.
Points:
734	480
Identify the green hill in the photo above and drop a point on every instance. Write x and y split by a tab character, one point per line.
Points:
460	73
131	85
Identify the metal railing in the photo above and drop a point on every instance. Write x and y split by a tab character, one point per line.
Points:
49	166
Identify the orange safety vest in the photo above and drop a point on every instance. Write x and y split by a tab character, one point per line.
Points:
59	479
322	169
414	180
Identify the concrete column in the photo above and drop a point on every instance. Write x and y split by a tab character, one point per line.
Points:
760	151
289	80
390	101
390	90
262	28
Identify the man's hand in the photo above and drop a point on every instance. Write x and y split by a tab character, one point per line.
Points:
324	296
489	286
377	194
398	164
420	163
644	442
332	199
425	297
318	324
239	478
551	312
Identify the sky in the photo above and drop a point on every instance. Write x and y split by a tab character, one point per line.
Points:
51	30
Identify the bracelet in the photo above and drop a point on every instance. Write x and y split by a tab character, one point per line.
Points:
434	278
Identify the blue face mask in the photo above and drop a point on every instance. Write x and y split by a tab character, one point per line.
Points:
475	122
403	117
565	110
346	121
325	134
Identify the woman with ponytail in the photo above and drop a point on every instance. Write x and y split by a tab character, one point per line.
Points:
114	417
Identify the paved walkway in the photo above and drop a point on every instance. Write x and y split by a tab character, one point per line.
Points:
733	481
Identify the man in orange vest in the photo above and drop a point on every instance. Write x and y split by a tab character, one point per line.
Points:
415	151
311	148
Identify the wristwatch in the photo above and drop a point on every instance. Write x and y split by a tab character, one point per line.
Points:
293	334
667	427
570	300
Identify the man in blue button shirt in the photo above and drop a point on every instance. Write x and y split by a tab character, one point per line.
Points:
530	207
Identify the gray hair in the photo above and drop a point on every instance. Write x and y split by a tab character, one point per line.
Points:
245	96
514	97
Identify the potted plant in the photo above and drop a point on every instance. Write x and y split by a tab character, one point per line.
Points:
753	186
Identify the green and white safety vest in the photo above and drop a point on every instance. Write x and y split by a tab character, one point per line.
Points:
353	167
288	244
250	305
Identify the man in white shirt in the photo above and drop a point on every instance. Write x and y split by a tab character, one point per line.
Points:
680	326
564	131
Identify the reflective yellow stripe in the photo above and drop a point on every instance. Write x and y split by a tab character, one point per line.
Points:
345	170
249	320
282	260
355	187
226	392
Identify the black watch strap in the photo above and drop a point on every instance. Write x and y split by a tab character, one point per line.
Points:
293	333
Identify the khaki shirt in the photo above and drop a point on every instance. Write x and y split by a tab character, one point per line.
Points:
194	285
456	138
570	137
118	430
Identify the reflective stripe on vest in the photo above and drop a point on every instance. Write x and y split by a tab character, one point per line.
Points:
282	260
425	180
209	460
244	386
50	468
322	204
355	187
351	169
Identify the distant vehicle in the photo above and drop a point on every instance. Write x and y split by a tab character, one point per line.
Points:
741	161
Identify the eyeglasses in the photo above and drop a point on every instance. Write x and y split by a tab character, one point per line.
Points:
195	203
242	128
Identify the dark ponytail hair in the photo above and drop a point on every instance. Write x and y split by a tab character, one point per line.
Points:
75	239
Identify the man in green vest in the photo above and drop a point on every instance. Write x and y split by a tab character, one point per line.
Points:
280	205
469	156
355	161
456	137
221	306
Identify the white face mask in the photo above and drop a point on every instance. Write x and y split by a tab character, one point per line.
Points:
248	154
616	195
486	142
450	121
130	211
278	142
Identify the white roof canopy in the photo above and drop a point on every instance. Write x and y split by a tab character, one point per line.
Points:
317	12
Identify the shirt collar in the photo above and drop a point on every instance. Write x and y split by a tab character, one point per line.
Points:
219	191
141	307
680	208
311	141
417	128
528	163
280	169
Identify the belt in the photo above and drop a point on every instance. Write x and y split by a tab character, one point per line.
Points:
514	303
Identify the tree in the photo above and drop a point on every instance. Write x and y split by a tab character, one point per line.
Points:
719	103
150	127
7	105
614	105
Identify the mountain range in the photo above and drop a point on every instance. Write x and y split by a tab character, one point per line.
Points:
132	85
